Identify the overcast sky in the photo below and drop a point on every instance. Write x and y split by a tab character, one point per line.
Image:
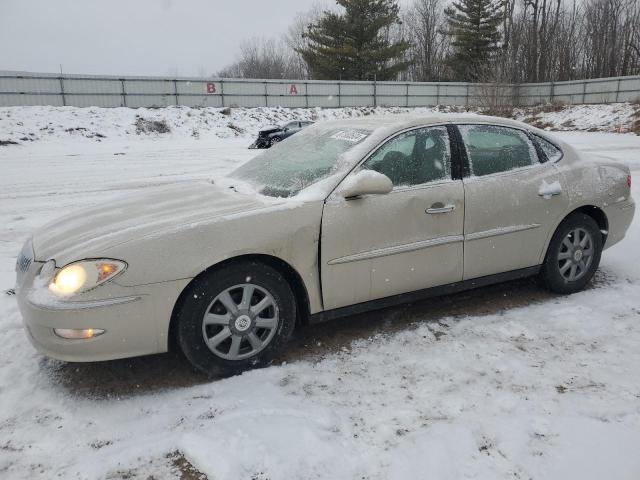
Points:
135	37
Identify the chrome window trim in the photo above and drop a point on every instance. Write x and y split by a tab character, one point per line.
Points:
422	186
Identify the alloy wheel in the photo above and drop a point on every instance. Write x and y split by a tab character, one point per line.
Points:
240	322
576	254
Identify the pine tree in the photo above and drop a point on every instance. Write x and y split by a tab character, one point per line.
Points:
354	44
474	27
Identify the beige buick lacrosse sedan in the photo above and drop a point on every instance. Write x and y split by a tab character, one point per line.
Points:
344	217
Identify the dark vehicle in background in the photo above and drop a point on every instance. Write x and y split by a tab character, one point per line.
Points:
268	137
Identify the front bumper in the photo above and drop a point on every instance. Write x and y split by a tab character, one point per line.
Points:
260	143
135	319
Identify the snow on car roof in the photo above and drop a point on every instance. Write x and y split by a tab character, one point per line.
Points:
385	125
400	121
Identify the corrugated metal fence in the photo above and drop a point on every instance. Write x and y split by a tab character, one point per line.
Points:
23	88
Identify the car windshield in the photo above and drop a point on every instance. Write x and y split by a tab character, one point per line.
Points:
299	161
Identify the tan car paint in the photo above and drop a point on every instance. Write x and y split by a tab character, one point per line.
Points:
382	245
169	238
507	221
587	185
138	326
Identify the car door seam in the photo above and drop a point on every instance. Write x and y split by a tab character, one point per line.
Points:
465	172
319	260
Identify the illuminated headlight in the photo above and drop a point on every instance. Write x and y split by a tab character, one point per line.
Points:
82	276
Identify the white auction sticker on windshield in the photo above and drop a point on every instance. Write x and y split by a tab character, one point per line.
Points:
349	135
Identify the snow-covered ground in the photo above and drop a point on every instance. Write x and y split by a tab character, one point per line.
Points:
614	117
27	125
504	383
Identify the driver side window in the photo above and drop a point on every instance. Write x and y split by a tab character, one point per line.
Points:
413	158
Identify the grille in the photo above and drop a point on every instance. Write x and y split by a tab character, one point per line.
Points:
23	263
25	258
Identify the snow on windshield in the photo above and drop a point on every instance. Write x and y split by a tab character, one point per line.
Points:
301	160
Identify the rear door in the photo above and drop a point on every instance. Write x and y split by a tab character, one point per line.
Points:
513	200
382	245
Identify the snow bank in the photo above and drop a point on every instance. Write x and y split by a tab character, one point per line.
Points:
614	117
28	124
32	124
277	437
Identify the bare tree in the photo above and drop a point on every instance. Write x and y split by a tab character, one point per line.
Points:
542	40
296	38
611	34
262	58
276	57
567	60
424	26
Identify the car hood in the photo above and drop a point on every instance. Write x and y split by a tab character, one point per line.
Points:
270	129
88	233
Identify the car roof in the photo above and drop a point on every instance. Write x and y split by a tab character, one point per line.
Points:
402	121
383	126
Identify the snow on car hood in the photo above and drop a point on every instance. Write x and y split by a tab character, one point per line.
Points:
89	232
270	129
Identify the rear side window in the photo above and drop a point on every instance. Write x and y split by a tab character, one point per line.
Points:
493	149
550	151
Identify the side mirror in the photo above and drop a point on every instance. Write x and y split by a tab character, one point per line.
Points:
365	182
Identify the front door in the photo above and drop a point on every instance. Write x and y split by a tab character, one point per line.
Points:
412	238
512	200
291	128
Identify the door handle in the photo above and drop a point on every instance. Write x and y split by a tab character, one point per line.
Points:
440	207
549	194
548	190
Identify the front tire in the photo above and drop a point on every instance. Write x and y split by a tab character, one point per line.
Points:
573	255
274	140
236	318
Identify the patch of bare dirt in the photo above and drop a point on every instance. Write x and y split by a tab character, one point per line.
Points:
184	468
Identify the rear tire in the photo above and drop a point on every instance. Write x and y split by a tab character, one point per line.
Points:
573	255
236	318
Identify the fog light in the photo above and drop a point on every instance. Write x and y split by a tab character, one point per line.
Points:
73	334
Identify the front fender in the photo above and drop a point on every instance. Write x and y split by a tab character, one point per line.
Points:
290	232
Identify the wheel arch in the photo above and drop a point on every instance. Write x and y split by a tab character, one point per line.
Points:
593	211
290	274
598	215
